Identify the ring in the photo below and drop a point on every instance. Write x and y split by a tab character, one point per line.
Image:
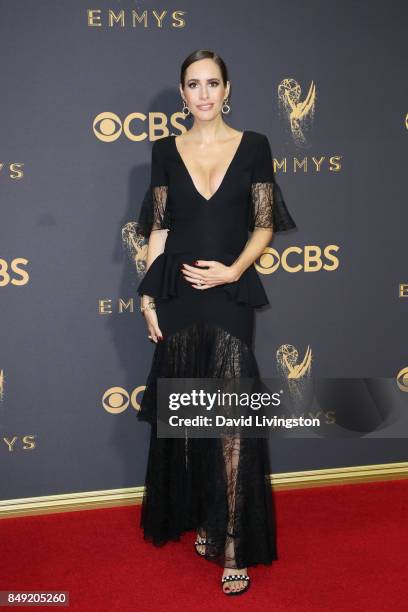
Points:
200	282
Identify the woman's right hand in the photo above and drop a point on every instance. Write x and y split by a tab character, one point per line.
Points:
153	325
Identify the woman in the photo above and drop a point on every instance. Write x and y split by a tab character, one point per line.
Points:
208	187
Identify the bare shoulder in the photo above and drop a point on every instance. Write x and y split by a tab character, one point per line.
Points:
236	133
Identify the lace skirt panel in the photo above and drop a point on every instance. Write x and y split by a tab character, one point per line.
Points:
219	486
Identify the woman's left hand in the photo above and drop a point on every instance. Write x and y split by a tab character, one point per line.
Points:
216	273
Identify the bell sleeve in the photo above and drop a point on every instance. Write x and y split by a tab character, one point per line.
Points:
154	213
267	206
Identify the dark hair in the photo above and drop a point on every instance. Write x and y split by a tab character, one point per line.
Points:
200	54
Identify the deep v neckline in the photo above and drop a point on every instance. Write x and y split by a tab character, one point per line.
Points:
225	173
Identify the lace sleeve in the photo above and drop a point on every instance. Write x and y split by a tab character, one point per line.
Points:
267	206
154	213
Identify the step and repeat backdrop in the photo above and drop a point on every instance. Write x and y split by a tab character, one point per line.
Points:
86	89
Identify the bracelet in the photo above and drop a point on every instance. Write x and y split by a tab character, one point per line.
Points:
150	305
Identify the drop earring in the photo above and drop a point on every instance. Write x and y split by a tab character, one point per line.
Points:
225	105
184	109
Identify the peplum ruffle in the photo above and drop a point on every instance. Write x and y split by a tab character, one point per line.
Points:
162	280
163	277
248	289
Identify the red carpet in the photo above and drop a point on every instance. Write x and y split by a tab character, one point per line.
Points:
340	547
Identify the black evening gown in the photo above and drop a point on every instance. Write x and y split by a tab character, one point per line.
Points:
220	485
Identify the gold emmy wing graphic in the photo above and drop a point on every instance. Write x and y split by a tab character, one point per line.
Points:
135	246
300	113
297	373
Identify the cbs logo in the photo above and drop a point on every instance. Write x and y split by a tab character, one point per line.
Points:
12	273
310	258
402	380
108	126
116	399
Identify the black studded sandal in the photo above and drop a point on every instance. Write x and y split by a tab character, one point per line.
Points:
234	577
200	541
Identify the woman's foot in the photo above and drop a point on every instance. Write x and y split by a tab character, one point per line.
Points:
200	542
233	579
237	585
